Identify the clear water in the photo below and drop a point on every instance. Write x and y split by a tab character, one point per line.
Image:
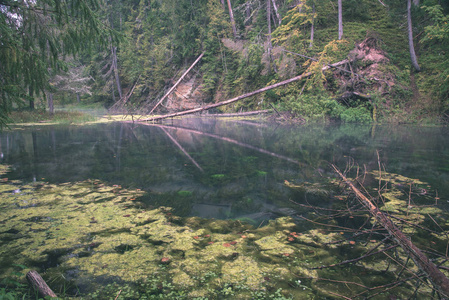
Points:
223	168
216	169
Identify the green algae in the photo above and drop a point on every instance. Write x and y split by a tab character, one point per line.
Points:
90	232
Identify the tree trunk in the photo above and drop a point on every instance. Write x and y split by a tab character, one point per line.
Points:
340	20
439	280
312	29
231	15
270	45
248	13
269	33
31	93
177	82
195	110
51	106
39	284
413	57
115	66
78	98
276	11
246	113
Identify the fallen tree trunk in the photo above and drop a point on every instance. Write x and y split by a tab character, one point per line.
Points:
246	113
438	279
39	284
285	82
177	82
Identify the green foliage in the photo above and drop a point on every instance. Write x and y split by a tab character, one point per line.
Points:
358	114
35	43
162	38
12	287
437	39
321	107
293	33
439	30
312	107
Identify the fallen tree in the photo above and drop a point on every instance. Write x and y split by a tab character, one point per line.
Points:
270	87
177	82
438	279
240	114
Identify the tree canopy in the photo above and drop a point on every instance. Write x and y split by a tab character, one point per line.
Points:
162	38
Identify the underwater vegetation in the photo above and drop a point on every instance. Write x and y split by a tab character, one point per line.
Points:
92	240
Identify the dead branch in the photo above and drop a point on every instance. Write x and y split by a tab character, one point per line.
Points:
438	279
247	113
39	284
276	85
122	102
177	82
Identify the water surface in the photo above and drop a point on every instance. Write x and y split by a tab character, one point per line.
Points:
221	168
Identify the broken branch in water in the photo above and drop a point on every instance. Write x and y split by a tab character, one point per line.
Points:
438	279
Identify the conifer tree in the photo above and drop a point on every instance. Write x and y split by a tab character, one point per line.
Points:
36	35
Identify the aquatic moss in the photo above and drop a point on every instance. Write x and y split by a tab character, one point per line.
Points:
93	234
243	271
272	246
395	178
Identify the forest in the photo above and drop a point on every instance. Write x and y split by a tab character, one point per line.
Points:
343	198
391	57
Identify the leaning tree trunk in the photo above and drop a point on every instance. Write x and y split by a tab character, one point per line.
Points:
273	86
231	15
340	20
177	82
413	57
